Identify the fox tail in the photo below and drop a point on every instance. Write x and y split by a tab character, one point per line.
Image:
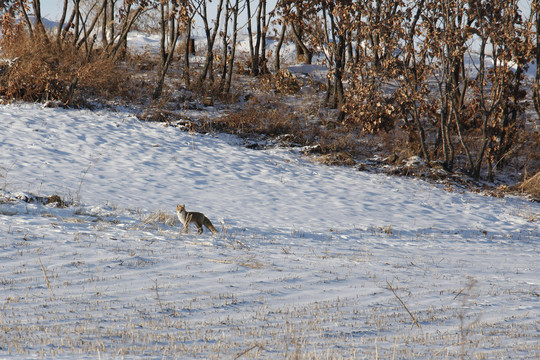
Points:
209	225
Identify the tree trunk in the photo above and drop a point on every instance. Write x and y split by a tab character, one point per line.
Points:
38	22
262	51
69	23
112	27
410	64
307	53
255	57
210	39
59	35
233	50
250	32
26	18
535	6
279	45
126	27
166	60
225	44
162	33
104	39
76	9
339	64
338	72
187	70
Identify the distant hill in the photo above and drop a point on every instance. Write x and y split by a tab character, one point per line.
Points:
49	24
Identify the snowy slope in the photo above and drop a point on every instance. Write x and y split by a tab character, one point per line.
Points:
303	264
148	166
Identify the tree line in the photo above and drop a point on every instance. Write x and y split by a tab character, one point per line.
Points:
450	74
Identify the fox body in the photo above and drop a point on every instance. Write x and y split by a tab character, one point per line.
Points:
198	218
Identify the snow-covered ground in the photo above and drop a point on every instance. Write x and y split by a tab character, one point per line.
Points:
311	261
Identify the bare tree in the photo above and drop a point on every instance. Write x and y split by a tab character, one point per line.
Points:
22	7
225	42
259	55
304	11
236	11
211	33
258	50
498	87
128	15
59	31
277	62
414	86
174	17
445	23
535	18
38	22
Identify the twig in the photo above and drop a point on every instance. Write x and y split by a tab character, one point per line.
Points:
78	198
246	351
415	322
165	322
161	307
459	293
46	277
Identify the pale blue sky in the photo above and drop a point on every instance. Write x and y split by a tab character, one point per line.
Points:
51	9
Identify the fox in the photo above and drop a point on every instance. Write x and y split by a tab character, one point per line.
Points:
198	218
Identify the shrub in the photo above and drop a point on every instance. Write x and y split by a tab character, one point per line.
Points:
260	116
40	69
287	83
532	186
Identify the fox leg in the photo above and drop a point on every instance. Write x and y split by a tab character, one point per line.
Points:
199	229
186	224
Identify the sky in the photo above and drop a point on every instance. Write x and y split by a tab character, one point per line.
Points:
51	9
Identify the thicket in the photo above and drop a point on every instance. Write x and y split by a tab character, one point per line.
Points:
442	80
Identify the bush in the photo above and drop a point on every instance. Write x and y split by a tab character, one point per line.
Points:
40	69
287	83
531	186
261	117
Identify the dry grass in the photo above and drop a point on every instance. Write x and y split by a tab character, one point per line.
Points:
287	83
159	219
268	118
531	186
260	116
320	330
43	70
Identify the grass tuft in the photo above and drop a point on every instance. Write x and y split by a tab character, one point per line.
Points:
531	186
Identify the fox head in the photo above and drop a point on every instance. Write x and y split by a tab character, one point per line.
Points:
180	207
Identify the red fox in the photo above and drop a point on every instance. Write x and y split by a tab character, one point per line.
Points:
198	218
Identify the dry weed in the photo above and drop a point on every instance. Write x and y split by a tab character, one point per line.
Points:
42	70
261	117
531	186
287	83
162	218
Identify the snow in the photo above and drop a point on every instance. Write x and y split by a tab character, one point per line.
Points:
303	264
141	42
